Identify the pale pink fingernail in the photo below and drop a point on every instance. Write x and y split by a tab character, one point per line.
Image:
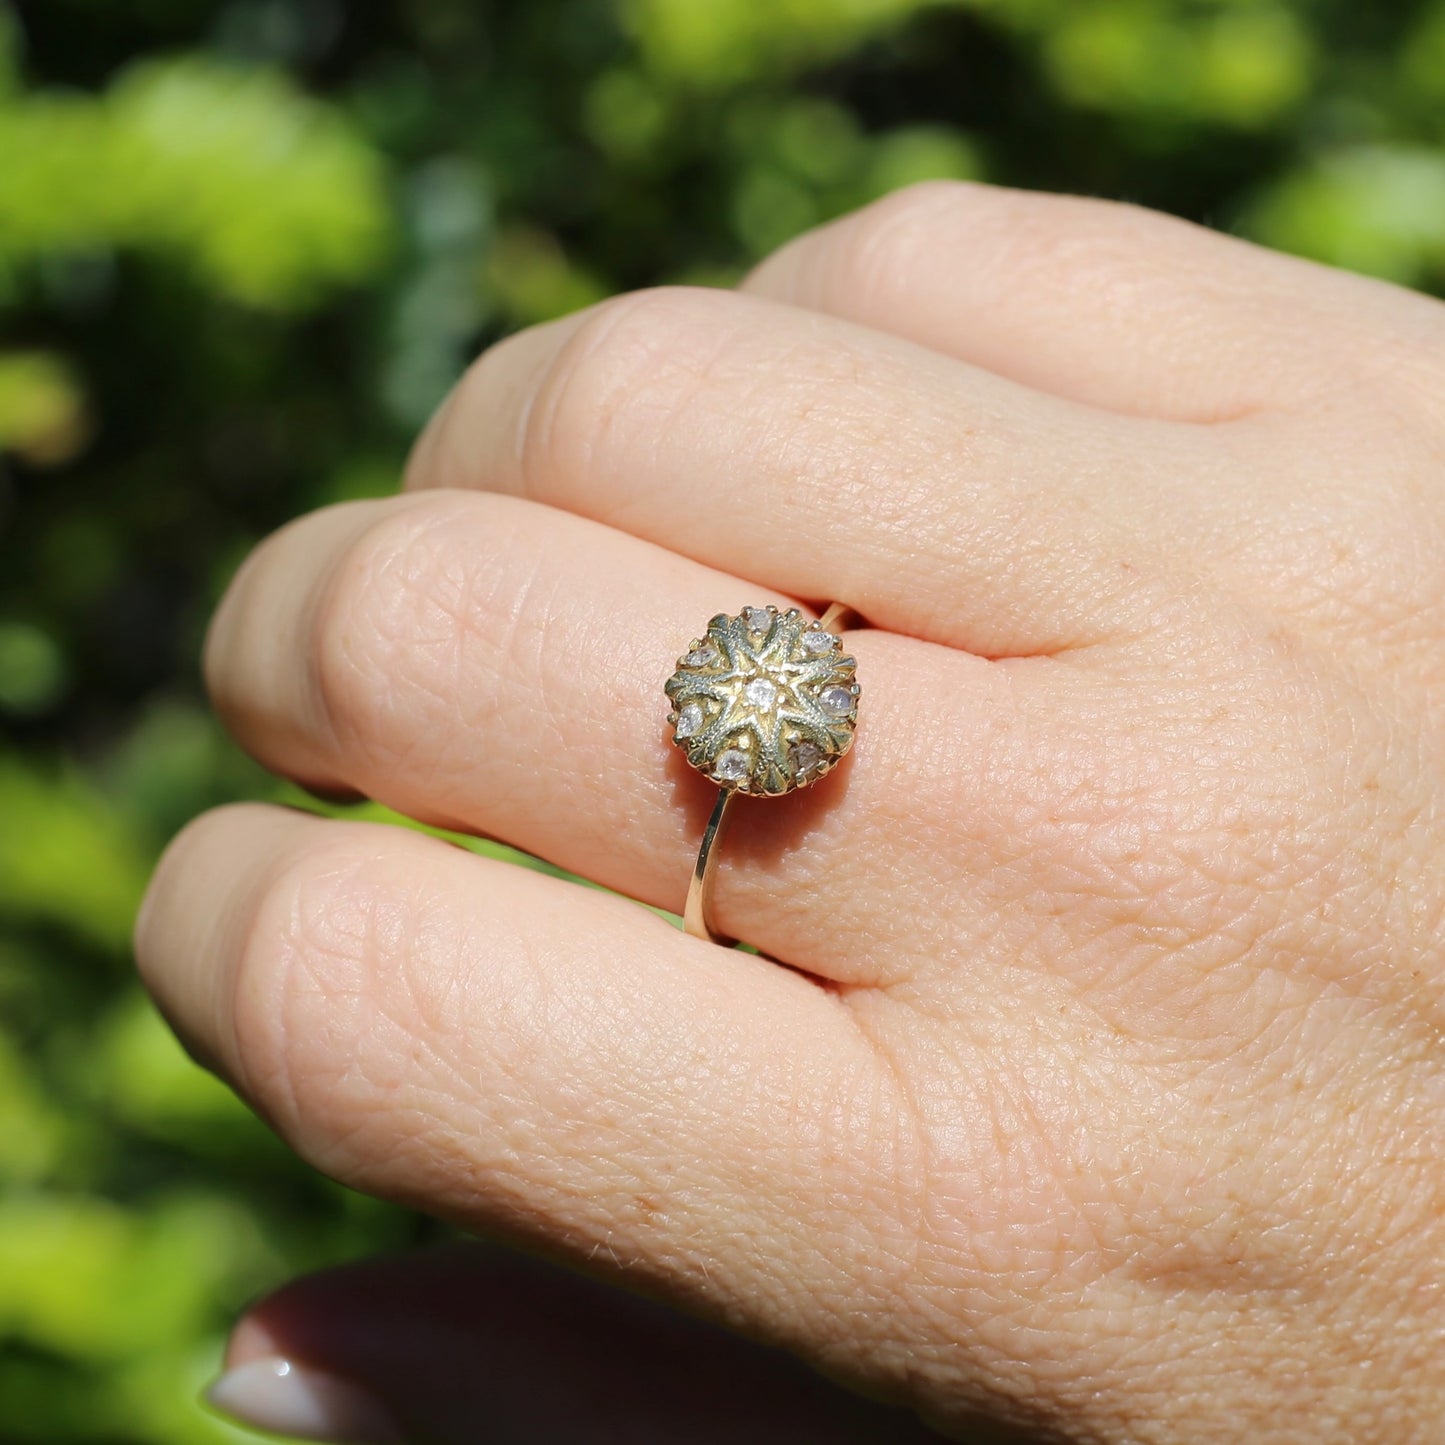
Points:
291	1399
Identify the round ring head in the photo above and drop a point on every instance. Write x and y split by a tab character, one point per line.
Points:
765	703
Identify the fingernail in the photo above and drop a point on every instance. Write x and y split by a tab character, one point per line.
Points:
291	1399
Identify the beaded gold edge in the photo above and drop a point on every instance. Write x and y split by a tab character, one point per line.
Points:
766	703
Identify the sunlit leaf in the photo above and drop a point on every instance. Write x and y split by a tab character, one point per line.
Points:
32	1129
1238	64
42	409
141	1075
265	194
66	856
1376	209
89	1278
726	42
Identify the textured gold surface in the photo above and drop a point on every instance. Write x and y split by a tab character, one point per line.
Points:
744	740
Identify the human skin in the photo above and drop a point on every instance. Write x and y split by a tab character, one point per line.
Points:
1091	1077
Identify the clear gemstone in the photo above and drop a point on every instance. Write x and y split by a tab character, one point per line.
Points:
756	619
805	757
836	701
703	656
761	693
818	642
731	766
689	719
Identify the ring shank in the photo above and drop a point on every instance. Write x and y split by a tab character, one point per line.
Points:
840	618
696	915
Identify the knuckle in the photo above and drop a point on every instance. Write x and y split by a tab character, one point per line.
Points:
302	986
1020	237
349	1005
384	650
1362	554
1125	256
872	250
632	362
344	1022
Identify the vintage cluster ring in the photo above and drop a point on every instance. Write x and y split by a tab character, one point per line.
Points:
765	704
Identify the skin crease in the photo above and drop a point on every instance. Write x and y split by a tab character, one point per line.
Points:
1102	1092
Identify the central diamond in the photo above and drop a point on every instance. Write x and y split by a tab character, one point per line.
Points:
761	693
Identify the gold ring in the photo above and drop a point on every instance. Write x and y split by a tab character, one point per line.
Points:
764	704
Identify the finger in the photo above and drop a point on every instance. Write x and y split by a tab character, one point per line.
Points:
522	1055
496	666
1108	304
469	1342
826	461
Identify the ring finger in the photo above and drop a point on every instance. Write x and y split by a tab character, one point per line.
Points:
495	665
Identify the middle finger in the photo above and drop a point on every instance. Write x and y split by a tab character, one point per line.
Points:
830	461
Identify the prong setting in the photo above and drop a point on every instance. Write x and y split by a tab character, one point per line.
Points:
765	703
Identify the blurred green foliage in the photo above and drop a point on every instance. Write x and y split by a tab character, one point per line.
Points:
244	249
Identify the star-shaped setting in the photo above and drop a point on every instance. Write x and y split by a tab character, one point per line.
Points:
765	703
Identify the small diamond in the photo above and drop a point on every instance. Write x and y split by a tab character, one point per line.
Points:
731	765
817	642
756	619
689	719
761	693
805	757
836	701
703	656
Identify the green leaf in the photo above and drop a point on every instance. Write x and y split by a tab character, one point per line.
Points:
1240	65
265	195
89	1278
66	856
33	1132
42	410
723	43
140	1074
1377	209
33	672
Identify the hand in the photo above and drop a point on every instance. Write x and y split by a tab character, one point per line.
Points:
1103	1090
